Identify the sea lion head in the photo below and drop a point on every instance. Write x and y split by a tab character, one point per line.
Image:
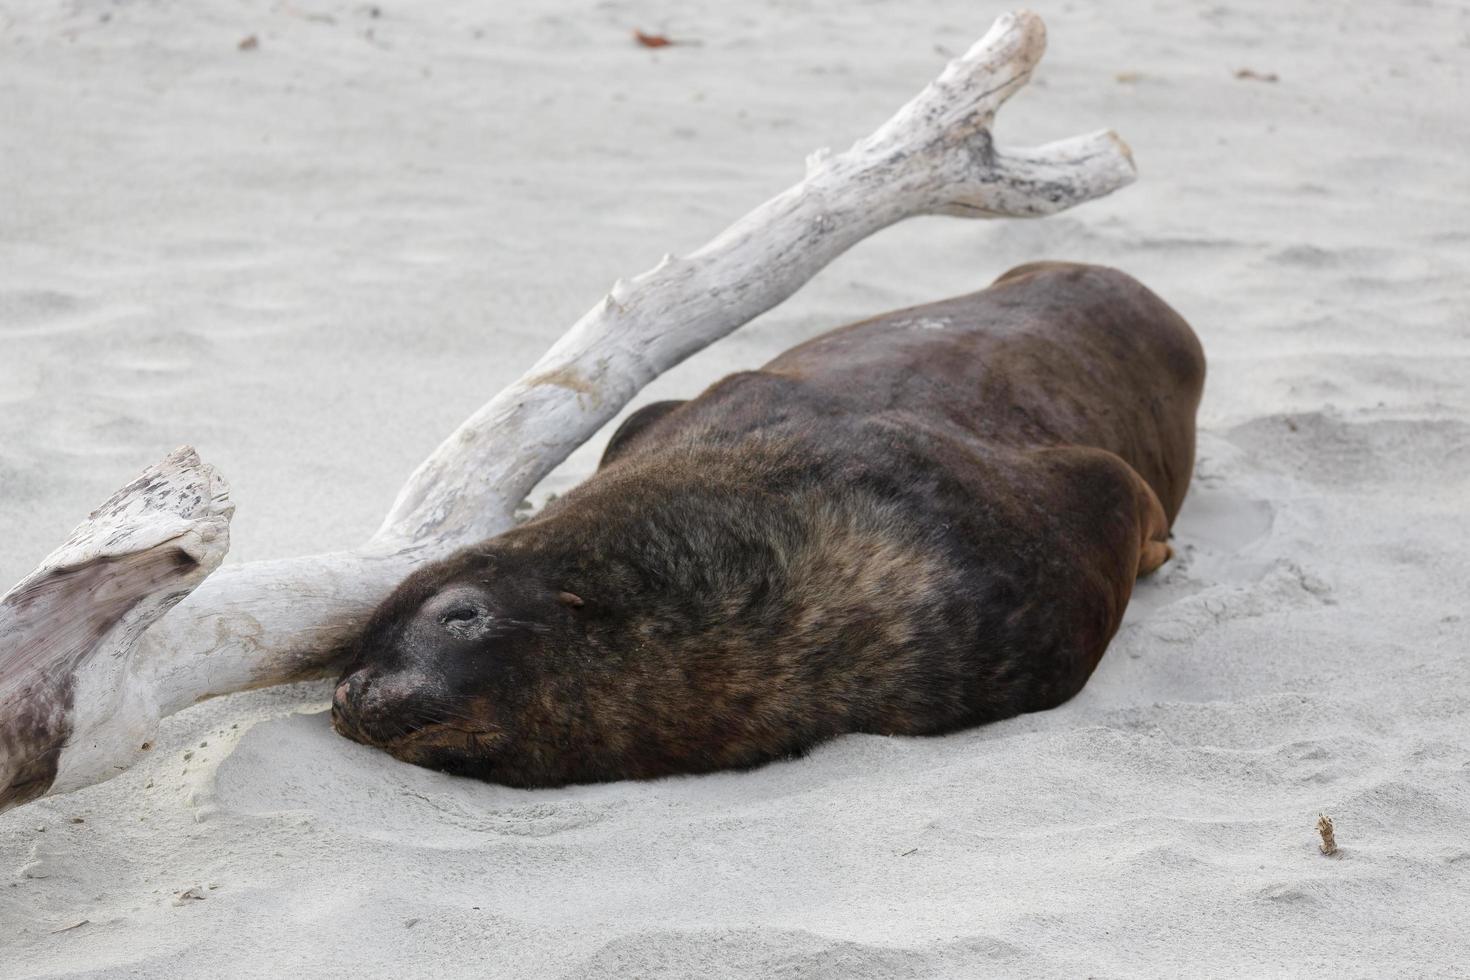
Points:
446	663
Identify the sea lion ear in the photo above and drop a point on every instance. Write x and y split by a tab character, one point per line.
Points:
570	599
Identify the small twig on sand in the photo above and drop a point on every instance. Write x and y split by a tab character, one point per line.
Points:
1251	75
1324	827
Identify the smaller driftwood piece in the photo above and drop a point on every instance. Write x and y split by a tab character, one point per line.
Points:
127	565
93	650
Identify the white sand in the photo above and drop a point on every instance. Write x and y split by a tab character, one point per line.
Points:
312	259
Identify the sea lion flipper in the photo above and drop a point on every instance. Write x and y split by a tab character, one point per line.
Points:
1105	486
633	426
1154	554
1154	532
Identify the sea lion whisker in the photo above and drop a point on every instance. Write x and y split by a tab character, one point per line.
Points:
428	711
436	732
502	626
451	721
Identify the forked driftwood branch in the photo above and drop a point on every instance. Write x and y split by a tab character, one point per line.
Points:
89	661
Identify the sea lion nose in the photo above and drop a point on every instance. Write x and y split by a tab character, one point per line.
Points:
347	699
374	707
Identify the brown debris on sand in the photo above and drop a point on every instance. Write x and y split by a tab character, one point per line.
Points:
1251	75
1324	827
660	40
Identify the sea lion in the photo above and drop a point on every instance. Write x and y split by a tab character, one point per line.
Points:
907	526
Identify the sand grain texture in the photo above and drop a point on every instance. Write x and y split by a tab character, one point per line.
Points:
312	256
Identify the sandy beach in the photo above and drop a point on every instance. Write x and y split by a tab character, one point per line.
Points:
309	238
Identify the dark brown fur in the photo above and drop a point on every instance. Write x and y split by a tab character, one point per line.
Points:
917	523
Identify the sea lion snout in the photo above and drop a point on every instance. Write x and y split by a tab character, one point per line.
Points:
350	708
344	702
425	678
376	709
409	717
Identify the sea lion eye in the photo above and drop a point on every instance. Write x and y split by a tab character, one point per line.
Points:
463	611
465	621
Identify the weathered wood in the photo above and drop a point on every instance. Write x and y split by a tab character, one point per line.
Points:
934	156
75	710
68	694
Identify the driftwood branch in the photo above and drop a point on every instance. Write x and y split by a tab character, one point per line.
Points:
77	704
127	565
935	156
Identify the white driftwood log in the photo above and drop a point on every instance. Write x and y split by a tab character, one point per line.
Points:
76	706
68	626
